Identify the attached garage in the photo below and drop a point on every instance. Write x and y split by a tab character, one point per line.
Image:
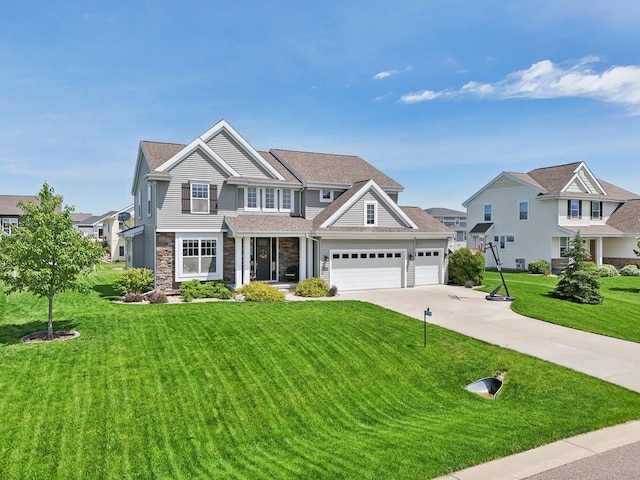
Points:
427	267
367	269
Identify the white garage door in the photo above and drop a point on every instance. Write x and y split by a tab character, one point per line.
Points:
427	267
362	270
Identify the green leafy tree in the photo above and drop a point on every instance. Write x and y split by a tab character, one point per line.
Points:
45	254
580	282
466	266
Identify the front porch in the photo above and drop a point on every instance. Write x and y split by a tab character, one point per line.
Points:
283	260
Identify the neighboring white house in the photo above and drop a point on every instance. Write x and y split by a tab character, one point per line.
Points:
456	220
534	215
106	228
219	209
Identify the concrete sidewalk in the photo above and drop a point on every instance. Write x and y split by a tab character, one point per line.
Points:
590	456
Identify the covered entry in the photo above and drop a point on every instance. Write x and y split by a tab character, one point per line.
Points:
367	269
427	267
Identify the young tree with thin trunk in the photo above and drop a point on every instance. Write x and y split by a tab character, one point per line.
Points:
45	254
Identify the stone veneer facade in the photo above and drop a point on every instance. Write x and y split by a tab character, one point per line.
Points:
165	262
288	255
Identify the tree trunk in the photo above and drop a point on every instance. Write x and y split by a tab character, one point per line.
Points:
50	329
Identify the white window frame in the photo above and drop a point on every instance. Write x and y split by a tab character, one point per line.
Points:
375	214
484	212
191	198
329	198
600	205
264	199
247	208
10	223
182	277
149	192
523	202
281	198
577	216
139	203
564	247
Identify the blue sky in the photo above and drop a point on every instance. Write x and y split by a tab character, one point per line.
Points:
440	95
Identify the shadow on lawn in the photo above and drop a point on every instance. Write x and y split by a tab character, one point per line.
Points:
629	290
107	291
11	334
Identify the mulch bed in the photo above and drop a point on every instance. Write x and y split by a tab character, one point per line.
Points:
58	336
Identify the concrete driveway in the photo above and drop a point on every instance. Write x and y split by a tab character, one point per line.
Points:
589	456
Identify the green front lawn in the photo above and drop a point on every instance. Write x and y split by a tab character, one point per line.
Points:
295	390
618	316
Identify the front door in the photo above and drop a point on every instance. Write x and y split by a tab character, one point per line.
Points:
263	259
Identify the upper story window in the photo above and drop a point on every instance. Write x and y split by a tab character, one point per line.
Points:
8	224
199	198
149	190
269	198
286	203
326	196
574	209
371	213
488	212
523	211
596	210
139	204
252	197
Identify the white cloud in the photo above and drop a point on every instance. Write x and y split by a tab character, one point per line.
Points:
545	79
390	73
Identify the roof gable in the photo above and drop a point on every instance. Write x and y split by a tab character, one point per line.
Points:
330	215
197	144
507	180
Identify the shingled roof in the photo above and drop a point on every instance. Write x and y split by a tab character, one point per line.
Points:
331	169
626	218
158	153
9	203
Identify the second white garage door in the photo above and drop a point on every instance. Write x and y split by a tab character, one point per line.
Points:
363	270
427	267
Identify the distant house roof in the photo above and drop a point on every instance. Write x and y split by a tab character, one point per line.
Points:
79	216
332	169
95	219
445	212
9	203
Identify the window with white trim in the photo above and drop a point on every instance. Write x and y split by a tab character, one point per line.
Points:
269	199
139	203
286	202
149	190
574	209
251	198
596	210
199	198
488	212
523	211
8	224
565	242
371	213
326	196
199	257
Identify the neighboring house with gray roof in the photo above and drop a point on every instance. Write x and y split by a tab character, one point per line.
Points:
534	215
219	209
107	228
456	220
10	212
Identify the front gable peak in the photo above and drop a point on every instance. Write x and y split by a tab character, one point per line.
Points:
584	181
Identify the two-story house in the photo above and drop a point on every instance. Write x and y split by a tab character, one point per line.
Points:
219	209
456	220
10	212
534	215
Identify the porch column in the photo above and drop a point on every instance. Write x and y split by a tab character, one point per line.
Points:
238	261
302	261
598	258
246	253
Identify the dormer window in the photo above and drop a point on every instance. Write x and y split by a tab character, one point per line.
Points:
326	196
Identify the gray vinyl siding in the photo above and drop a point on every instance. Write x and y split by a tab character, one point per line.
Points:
196	167
354	217
312	204
138	257
144	245
240	204
236	157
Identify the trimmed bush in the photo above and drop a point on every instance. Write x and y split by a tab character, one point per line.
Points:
134	280
607	271
540	267
133	298
630	271
157	297
196	289
312	287
465	266
260	292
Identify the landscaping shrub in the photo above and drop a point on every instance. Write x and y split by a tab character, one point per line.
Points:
134	280
465	265
607	271
196	289
132	297
540	267
333	291
312	287
580	282
630	271
260	292
157	297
